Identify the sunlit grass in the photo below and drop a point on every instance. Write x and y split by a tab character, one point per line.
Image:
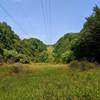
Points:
49	82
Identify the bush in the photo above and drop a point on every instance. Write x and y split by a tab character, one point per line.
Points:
1	59
16	69
23	59
10	56
20	69
82	65
67	57
85	65
42	57
74	64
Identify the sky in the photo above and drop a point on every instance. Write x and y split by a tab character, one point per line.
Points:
46	20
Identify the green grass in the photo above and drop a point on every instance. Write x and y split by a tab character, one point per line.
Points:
50	83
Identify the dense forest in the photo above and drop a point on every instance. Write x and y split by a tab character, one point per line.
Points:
84	45
13	49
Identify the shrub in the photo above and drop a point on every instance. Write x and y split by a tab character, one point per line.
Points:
74	64
20	69
82	65
23	59
85	65
10	56
67	57
1	59
15	69
42	57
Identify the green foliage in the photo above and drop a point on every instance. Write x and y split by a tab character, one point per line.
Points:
64	44
49	84
23	59
88	45
50	54
1	59
10	56
7	36
82	65
32	47
13	49
18	69
82	45
42	57
67	57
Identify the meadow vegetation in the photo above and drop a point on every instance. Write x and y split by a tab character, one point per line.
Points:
67	70
48	82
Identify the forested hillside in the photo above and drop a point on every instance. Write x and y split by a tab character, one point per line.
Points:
84	45
88	45
13	49
63	47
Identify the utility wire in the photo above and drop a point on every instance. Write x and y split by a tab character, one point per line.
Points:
11	17
43	14
47	16
48	11
50	14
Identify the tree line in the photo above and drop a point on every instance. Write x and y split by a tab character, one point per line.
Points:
84	45
13	49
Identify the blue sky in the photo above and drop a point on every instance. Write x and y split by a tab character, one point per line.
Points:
46	20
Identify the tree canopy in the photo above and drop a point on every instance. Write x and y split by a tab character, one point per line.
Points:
12	47
88	45
72	46
64	44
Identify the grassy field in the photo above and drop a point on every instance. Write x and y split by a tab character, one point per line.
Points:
48	82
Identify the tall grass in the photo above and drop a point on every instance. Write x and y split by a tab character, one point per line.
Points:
50	83
82	65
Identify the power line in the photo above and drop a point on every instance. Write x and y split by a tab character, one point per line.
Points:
43	14
11	17
50	18
46	12
49	14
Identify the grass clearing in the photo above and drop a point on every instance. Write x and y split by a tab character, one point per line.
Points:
49	82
